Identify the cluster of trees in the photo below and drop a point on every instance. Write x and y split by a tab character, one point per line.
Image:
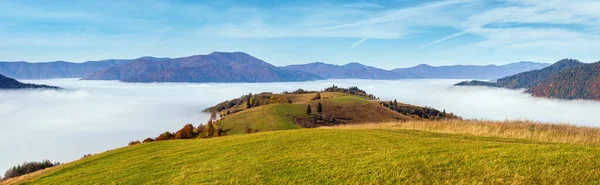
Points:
299	91
28	167
319	109
265	99
317	117
476	83
351	90
418	112
211	129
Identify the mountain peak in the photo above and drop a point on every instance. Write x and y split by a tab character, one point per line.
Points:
228	53
355	64
567	61
423	66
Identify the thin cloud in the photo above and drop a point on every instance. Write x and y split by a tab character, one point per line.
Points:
358	43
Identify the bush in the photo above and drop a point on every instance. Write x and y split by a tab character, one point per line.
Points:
134	143
28	167
147	140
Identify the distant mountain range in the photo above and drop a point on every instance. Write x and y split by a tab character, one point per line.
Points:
565	79
348	71
469	71
58	69
9	83
214	67
241	67
423	71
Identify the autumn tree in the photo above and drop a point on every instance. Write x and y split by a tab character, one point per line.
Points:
319	108
308	110
201	129
210	130
187	132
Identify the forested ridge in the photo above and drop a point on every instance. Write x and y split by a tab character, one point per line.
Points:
9	83
582	82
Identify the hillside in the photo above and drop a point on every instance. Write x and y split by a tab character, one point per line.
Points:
59	69
214	67
343	155
338	106
470	71
348	71
528	79
581	82
9	83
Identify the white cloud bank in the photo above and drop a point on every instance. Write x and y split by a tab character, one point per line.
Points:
95	116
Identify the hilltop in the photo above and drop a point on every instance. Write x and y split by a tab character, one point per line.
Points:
214	67
9	83
331	106
390	153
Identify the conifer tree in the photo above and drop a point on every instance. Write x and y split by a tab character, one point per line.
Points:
319	108
308	110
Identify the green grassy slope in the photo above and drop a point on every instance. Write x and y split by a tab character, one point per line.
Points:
335	156
346	108
263	118
348	99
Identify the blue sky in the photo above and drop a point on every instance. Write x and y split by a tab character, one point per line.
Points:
385	34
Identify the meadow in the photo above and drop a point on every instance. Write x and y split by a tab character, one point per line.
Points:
396	152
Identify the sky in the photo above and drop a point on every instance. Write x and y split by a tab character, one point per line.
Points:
386	34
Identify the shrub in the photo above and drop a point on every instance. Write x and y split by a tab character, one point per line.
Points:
147	140
248	129
28	167
317	97
134	143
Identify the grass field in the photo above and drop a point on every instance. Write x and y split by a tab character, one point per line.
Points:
350	100
263	118
335	156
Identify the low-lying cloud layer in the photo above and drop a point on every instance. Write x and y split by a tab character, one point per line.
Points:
95	116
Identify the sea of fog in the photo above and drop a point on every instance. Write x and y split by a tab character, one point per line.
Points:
95	116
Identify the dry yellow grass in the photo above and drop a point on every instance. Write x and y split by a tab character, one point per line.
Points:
559	133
